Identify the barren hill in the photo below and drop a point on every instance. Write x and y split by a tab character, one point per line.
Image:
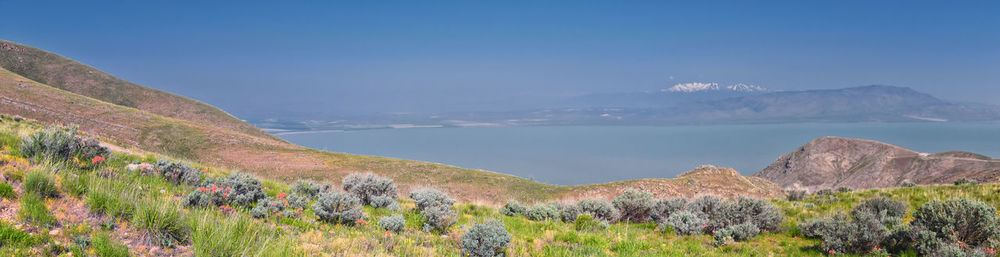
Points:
120	117
66	74
831	162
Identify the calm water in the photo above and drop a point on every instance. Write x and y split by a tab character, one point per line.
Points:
573	155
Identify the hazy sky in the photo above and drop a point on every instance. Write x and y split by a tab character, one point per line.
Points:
350	58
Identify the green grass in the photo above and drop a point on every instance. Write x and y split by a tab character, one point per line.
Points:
40	183
105	247
33	210
75	184
7	191
163	220
237	235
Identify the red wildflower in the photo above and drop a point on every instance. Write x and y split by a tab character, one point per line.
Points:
362	221
226	194
203	189
204	170
97	159
832	252
387	234
282	196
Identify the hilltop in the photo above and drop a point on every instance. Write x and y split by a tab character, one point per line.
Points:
185	137
832	162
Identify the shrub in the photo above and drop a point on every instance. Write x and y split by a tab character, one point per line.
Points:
90	147
966	181
289	206
266	207
686	223
486	240
33	210
105	247
824	192
813	228
599	209
889	212
371	189
663	208
738	233
513	208
438	218
310	188
394	223
428	197
178	172
634	206
843	189
7	191
857	236
297	202
38	182
238	189
756	212
61	144
338	207
713	210
796	195
568	212
543	212
907	183
52	142
964	222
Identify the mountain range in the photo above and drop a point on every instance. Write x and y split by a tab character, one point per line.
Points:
695	103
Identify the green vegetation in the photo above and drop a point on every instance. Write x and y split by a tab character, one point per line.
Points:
39	183
33	210
7	191
104	246
216	217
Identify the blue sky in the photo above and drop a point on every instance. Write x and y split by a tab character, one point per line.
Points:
359	57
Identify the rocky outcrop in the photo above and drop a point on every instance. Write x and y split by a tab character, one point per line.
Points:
832	162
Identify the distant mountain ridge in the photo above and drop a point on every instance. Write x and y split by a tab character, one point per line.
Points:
832	162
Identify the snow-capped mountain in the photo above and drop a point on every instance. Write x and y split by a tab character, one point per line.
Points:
712	86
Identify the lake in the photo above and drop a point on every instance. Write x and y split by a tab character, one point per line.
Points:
573	155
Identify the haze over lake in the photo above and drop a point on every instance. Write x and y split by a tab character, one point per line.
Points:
572	155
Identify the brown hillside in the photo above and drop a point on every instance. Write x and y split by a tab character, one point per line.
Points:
832	162
63	73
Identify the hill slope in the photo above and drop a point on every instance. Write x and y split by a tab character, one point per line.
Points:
831	162
63	73
273	158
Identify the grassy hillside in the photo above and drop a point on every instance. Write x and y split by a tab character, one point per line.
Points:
102	208
143	131
62	73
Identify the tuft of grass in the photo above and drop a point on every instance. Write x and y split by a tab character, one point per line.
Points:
33	210
38	182
75	184
163	220
237	235
12	237
112	197
105	247
7	191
